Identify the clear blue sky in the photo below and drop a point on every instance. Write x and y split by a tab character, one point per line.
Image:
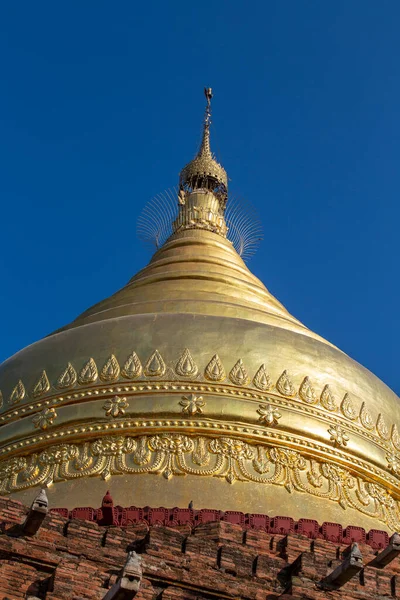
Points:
101	105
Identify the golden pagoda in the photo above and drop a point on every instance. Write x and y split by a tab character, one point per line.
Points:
194	383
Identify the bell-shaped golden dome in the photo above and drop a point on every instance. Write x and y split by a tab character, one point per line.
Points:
194	382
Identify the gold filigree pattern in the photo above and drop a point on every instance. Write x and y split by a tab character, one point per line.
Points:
132	368
110	370
215	370
67	378
307	392
186	367
262	380
155	366
365	418
348	409
228	458
238	374
88	373
42	385
285	386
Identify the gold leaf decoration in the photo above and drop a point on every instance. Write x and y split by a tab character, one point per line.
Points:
1	399
382	428
132	367
262	380
348	409
42	385
88	373
186	367
285	386
111	370
307	392
67	378
327	400
365	417
18	393
155	366
238	374
214	370
395	437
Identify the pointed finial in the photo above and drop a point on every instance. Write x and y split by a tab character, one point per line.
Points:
204	172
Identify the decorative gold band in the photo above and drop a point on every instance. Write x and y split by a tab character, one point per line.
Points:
170	454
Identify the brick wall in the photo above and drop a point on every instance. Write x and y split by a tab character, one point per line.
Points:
76	559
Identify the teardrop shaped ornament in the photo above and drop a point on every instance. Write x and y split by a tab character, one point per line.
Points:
18	393
307	392
132	367
285	386
262	380
382	428
42	385
67	378
238	374
186	367
395	437
327	399
155	366
110	370
88	372
365	418
348	409
215	371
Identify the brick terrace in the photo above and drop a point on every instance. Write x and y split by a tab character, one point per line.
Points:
185	555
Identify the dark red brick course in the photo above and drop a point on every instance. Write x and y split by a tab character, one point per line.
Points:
77	559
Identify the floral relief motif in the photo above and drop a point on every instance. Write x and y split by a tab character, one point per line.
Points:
269	415
393	462
44	418
338	435
192	405
115	407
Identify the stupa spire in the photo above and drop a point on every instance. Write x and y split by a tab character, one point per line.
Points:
203	186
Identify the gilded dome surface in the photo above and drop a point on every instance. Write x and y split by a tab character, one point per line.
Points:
194	382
